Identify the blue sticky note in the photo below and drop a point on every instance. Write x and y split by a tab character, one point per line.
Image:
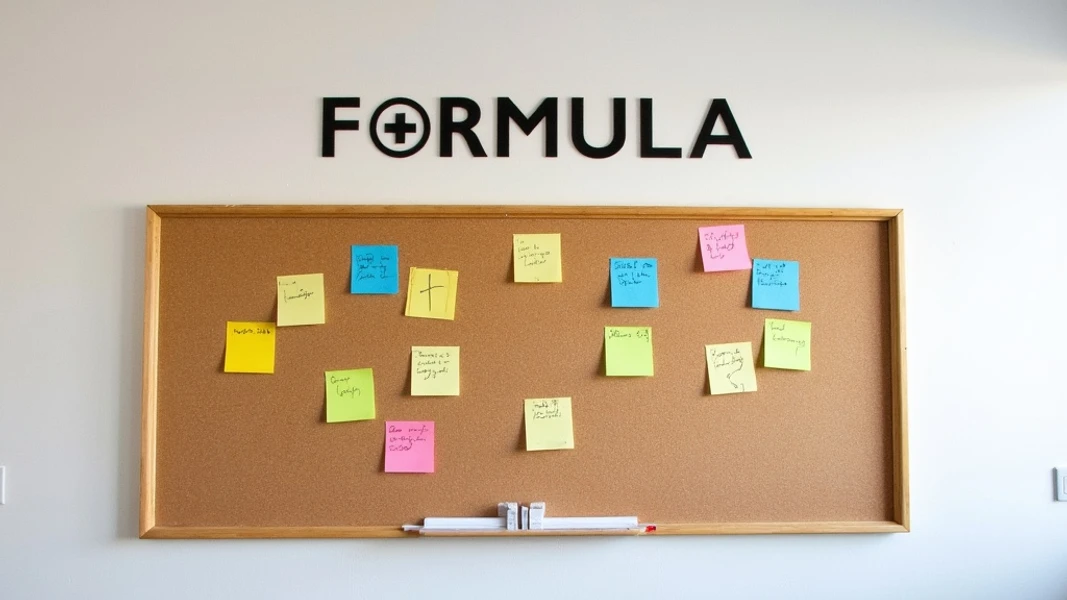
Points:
776	284
634	283
374	270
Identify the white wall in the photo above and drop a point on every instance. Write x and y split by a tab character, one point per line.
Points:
955	111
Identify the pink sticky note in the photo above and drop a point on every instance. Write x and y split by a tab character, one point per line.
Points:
724	249
409	446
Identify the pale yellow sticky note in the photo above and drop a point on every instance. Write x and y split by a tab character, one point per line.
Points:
730	368
538	258
787	344
301	300
435	370
249	347
432	293
628	351
548	424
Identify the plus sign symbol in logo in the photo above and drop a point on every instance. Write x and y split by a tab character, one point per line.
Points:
399	127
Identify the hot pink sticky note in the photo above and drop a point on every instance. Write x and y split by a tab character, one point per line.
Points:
724	248
409	446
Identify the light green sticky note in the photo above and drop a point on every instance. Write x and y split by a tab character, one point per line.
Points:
349	395
787	344
628	351
549	425
435	370
301	300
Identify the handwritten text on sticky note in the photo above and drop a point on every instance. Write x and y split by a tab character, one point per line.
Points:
431	293
349	395
723	248
730	368
435	370
776	284
374	270
549	425
249	347
301	300
634	282
628	351
787	344
538	258
409	447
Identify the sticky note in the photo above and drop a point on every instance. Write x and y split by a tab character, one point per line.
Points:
634	282
349	395
301	300
538	258
409	447
431	293
723	248
628	351
787	344
435	370
374	270
249	347
776	284
549	425
731	369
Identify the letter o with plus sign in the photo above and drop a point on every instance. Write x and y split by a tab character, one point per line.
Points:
400	126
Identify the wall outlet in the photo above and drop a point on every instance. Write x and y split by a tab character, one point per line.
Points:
1060	473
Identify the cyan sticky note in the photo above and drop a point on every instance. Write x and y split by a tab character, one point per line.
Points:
634	283
776	284
374	270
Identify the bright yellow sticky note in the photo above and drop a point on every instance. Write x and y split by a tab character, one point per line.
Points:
538	258
349	395
730	368
548	424
787	344
628	351
431	293
435	370
249	347
301	300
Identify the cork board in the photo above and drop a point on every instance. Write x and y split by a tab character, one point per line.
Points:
228	455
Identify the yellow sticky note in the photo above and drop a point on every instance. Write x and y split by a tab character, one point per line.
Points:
301	300
249	347
548	424
628	351
730	368
538	258
431	293
349	395
787	344
435	370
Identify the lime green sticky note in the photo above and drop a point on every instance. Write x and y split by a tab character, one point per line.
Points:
349	395
431	293
301	300
787	344
730	368
538	258
435	370
628	351
249	347
549	425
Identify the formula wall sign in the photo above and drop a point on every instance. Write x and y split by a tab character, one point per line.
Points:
401	127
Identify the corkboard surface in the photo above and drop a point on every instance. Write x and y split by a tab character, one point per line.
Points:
255	450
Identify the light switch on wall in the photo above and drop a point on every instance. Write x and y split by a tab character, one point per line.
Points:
1060	474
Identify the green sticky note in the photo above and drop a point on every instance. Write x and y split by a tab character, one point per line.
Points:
549	425
628	351
787	344
349	395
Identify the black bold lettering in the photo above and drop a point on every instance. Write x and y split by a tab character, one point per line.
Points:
330	124
449	125
719	109
618	129
547	111
648	149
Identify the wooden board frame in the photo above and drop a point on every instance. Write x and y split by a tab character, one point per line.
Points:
898	353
